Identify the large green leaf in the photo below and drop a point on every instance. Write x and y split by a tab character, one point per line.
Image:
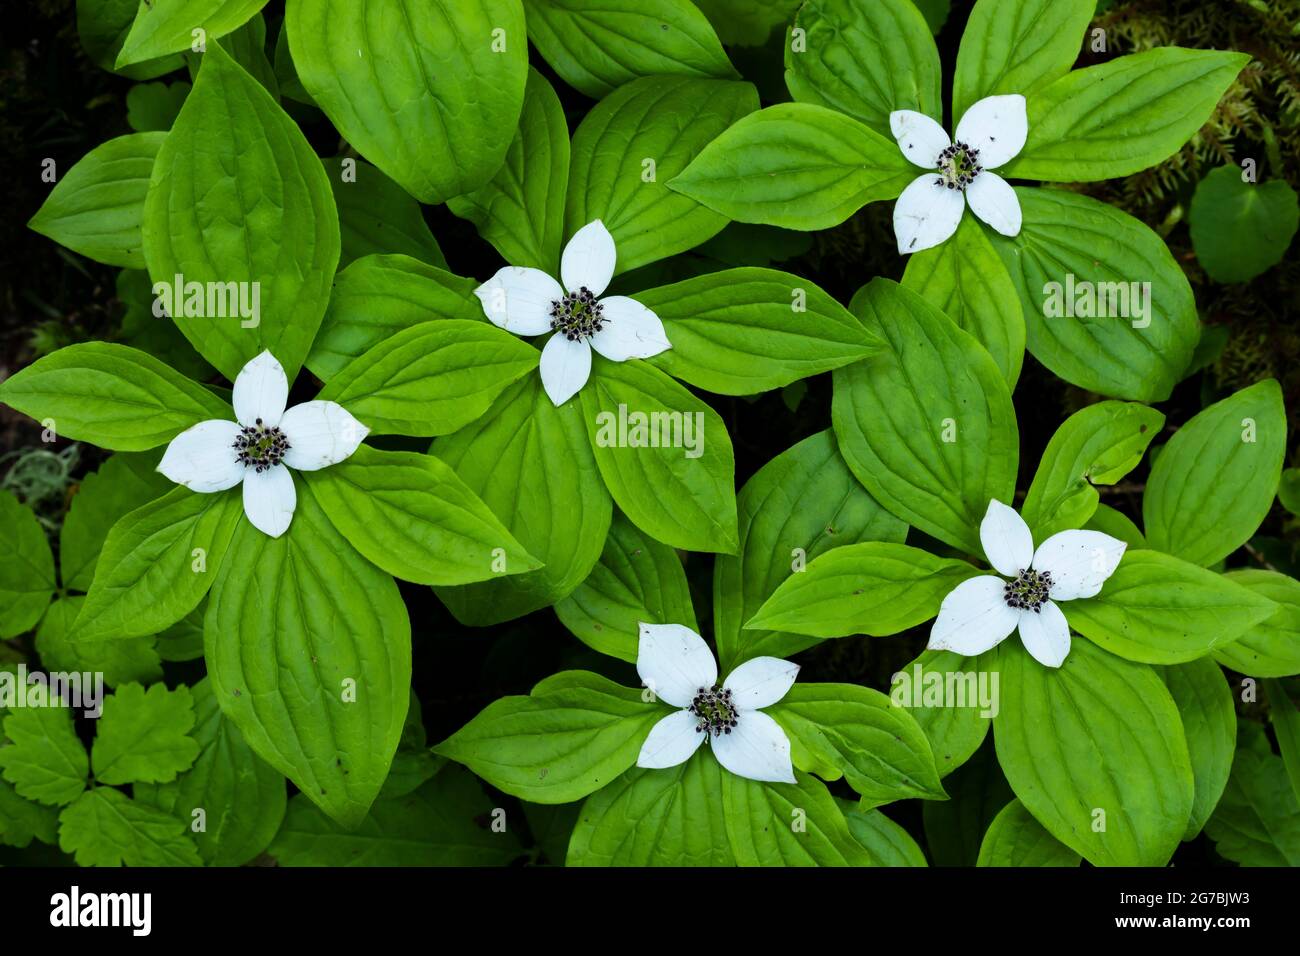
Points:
308	648
1270	648
1205	704
953	698
103	25
1214	481
741	331
182	25
1015	838
105	827
887	842
1241	228
428	92
1082	269
1095	751
27	579
144	736
1257	823
266	216
927	425
631	144
795	165
788	824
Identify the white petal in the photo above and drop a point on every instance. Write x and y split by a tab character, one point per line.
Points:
973	617
760	682
1007	541
926	214
919	137
565	367
1079	562
671	741
319	434
674	662
1046	634
757	749
519	300
261	389
269	499
994	201
997	126
588	259
631	331
202	458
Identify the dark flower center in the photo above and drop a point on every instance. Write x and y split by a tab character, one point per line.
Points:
1028	591
958	166
259	446
717	714
578	315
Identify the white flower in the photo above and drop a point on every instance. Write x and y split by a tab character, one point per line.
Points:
529	302
676	664
216	455
978	614
929	210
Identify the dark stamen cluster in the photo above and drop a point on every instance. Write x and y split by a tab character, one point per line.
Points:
716	713
958	166
578	315
260	446
1029	590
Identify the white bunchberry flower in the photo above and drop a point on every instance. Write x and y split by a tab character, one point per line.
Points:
530	302
256	448
676	664
980	613
929	210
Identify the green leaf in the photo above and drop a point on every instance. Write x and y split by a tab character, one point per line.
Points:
409	514
96	208
1121	117
144	736
169	27
744	23
797	166
308	647
1015	838
267	217
743	331
1106	306
851	731
637	579
21	820
443	823
1017	46
875	588
520	210
1118	525
1097	445
1241	229
1215	479
1095	742
26	568
430	93
1206	707
667	121
1288	490
556	745
1285	718
1271	648
103	25
665	455
377	216
1257	822
956	725
927	425
153	107
143	330
432	378
596	48
242	799
414	763
965	278
531	463
864	60
801	504
44	760
954	828
781	824
124	482
158	562
104	827
672	817
247	47
887	842
377	296
1158	609
120	661
111	396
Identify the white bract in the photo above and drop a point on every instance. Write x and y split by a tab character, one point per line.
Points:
257	447
978	614
530	302
676	664
929	210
